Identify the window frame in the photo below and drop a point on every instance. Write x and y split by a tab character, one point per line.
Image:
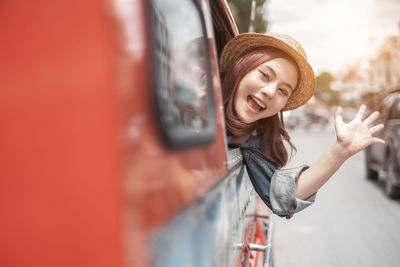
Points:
185	137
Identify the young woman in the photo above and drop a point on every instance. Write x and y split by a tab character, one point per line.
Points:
263	75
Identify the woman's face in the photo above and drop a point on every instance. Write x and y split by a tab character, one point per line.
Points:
264	91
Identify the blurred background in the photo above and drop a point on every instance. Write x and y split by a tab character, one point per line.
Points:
354	49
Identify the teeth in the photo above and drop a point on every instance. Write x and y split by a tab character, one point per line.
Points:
258	102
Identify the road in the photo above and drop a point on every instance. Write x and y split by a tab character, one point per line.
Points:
352	223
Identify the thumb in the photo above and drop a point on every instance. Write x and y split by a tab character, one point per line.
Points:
339	115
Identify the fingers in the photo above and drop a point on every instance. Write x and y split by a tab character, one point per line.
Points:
372	118
376	128
376	140
361	112
339	115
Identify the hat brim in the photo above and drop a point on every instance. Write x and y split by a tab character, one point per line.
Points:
245	42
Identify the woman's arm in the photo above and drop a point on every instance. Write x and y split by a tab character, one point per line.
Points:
352	137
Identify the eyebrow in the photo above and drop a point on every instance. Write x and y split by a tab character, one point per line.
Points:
274	73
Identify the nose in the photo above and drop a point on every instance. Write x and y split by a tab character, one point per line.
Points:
269	90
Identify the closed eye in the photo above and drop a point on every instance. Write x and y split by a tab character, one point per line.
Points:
266	76
284	91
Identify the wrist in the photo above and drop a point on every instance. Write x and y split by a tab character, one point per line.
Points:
341	151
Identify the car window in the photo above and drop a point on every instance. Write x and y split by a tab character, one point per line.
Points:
182	66
395	110
383	110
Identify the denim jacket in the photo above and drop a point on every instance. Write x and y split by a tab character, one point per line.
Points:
276	187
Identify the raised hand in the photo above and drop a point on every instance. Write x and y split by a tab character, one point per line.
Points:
357	134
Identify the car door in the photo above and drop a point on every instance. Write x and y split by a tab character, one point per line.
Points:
377	152
393	129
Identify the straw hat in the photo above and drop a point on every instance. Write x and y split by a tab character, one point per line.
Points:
243	43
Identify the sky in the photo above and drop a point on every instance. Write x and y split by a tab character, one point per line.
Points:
335	33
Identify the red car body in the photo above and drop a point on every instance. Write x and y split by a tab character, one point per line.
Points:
86	178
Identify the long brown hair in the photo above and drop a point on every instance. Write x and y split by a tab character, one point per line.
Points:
271	130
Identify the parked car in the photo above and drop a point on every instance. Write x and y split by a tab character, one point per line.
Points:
385	159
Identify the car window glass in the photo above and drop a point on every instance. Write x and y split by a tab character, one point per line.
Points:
184	89
395	110
385	108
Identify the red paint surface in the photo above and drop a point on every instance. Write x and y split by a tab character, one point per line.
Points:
84	177
60	188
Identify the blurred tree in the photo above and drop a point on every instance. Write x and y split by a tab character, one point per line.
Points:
324	91
261	22
241	11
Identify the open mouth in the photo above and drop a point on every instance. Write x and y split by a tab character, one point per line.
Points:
255	104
